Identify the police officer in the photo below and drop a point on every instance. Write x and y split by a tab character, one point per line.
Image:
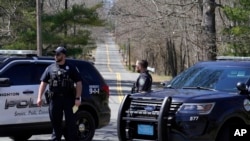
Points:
61	77
144	81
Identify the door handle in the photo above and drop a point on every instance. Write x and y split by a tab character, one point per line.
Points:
28	92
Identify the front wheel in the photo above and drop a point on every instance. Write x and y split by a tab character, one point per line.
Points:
23	137
85	125
223	133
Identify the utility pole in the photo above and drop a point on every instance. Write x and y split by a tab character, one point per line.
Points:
38	27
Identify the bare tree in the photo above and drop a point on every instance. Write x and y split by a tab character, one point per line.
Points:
7	12
189	25
152	22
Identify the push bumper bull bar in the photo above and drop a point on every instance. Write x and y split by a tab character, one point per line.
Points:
134	123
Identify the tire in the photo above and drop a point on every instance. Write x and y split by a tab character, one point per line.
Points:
223	133
85	125
23	137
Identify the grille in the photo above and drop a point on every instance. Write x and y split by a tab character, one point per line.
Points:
138	108
140	112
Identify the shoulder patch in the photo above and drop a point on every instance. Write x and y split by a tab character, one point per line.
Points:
141	81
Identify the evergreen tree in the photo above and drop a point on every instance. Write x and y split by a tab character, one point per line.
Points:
22	22
77	20
16	24
238	33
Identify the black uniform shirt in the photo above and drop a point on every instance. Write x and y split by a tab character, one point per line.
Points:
144	82
71	70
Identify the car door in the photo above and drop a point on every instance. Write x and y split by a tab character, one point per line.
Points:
18	100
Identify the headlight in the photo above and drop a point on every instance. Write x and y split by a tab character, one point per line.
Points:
196	108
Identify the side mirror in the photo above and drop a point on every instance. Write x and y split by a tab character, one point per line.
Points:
162	84
4	82
243	88
165	83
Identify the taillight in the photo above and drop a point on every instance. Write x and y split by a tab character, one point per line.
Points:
105	88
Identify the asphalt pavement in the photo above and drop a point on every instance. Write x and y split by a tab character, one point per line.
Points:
109	61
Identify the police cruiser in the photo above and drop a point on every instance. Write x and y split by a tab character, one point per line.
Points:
20	72
209	101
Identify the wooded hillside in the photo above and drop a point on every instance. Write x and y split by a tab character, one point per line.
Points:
172	35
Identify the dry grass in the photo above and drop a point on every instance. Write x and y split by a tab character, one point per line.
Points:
160	78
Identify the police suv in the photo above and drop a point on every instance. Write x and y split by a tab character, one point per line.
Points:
209	101
20	72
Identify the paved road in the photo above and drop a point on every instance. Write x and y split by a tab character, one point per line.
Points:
109	62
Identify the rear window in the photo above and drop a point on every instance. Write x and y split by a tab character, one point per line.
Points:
88	72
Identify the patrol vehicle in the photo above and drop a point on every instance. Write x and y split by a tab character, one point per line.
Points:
20	72
207	102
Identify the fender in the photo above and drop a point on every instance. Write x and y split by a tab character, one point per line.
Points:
226	116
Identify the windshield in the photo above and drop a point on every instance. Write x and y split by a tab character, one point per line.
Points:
217	78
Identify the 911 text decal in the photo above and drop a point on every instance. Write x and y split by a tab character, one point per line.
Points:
94	89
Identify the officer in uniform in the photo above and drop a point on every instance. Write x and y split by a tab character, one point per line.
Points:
144	81
65	88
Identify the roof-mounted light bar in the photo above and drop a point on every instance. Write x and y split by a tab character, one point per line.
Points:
18	52
232	58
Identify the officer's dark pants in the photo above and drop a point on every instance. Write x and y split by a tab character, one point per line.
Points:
58	105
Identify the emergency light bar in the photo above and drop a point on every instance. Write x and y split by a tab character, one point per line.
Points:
232	58
18	52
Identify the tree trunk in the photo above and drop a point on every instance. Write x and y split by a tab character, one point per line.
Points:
172	58
208	24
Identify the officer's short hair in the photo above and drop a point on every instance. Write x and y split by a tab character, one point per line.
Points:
143	63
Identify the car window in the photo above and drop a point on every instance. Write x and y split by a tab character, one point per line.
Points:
88	72
39	68
219	78
231	77
19	74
